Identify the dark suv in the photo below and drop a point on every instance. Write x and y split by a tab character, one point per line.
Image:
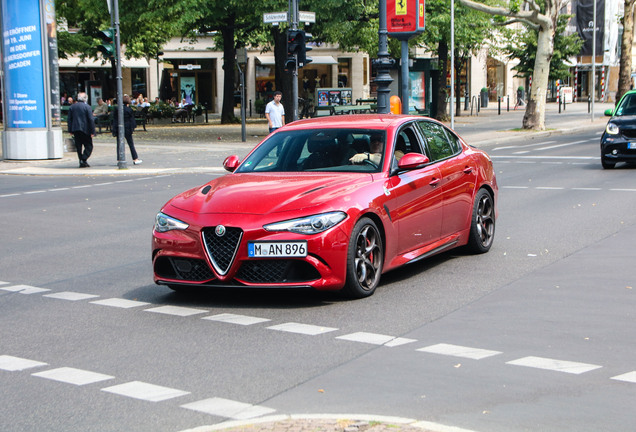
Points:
618	143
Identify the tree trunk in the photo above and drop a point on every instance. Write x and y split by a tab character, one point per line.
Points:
229	62
442	115
625	73
459	97
283	79
534	117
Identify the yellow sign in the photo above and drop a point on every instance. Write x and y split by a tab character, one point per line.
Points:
400	7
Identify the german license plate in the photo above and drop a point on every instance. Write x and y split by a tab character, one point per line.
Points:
631	145
282	249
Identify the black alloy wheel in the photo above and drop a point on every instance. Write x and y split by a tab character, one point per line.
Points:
482	227
365	259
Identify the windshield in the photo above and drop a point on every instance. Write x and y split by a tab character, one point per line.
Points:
627	106
318	150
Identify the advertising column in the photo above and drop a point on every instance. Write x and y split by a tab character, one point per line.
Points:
31	81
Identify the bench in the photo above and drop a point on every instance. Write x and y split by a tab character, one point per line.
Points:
141	116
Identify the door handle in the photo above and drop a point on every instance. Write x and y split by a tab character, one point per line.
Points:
434	181
468	170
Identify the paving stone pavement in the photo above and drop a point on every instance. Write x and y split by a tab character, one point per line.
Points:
334	424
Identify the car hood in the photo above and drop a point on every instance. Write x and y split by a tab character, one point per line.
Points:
260	194
622	121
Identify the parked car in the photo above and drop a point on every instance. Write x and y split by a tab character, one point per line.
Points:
618	142
329	203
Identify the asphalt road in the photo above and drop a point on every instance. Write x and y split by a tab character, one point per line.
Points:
535	335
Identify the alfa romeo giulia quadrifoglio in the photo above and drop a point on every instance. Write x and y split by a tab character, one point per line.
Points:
330	204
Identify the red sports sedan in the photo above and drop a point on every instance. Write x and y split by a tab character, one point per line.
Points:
330	204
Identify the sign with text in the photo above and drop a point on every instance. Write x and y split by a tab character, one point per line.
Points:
405	18
23	66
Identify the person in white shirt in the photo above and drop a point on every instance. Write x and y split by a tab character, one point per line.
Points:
275	112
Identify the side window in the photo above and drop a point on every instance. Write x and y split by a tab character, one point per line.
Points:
437	142
456	145
406	141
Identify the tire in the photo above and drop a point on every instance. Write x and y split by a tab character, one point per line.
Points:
606	164
365	259
482	226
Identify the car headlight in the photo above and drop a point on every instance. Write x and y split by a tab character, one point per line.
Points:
309	225
164	223
612	129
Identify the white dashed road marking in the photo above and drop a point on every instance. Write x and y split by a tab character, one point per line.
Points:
13	364
176	310
376	339
120	303
228	408
554	365
306	329
70	296
236	319
73	376
627	377
145	391
25	289
459	351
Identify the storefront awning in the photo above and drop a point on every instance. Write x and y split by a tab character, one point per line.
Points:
75	62
322	60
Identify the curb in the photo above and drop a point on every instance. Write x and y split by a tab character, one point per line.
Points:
328	423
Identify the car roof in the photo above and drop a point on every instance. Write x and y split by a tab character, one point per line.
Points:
362	121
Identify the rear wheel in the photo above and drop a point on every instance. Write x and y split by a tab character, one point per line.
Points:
365	258
482	227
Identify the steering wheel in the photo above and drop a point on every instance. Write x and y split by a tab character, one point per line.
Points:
370	162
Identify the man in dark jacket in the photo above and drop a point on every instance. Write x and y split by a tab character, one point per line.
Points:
82	126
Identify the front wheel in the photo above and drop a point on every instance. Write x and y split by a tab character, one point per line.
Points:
365	258
606	164
482	227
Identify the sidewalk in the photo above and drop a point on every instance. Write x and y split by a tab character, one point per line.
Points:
198	147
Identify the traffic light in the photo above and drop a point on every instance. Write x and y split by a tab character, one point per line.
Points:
107	48
303	60
295	39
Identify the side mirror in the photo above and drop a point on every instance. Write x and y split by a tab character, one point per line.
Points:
609	112
412	161
231	163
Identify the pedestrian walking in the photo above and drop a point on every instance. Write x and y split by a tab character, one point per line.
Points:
81	125
275	112
129	127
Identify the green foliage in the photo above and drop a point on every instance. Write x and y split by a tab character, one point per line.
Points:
161	110
145	25
472	28
523	46
259	106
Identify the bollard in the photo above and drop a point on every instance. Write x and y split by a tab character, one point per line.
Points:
559	101
589	102
508	103
499	105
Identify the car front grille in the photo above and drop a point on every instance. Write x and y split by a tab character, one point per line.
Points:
186	269
277	271
221	249
629	133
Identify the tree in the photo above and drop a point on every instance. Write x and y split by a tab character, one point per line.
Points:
523	47
471	31
541	16
625	72
145	25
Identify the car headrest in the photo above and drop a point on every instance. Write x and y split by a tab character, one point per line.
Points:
321	144
360	145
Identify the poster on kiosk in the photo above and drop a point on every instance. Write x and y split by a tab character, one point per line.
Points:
405	18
